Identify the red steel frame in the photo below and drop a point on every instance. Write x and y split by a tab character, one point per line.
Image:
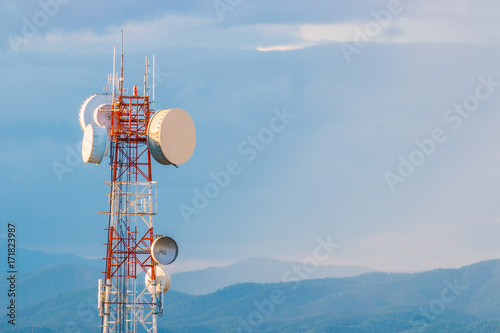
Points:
131	163
129	122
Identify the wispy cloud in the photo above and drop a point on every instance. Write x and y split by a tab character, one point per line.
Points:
401	30
432	24
139	35
281	47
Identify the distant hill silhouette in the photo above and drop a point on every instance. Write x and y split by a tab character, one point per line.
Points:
259	270
443	300
197	282
29	260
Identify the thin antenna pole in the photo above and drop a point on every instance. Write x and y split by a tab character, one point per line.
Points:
154	70
114	73
121	70
146	78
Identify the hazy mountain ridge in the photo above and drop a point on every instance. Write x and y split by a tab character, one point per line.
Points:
44	283
257	270
29	260
197	282
372	302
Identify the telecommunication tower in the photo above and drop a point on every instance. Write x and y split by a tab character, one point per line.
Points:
127	128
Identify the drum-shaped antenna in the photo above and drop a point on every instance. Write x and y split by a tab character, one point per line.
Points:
95	144
171	136
164	250
163	280
90	109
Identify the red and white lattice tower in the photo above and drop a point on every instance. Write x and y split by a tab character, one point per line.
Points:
126	128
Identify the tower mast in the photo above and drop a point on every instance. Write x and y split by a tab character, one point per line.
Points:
126	127
132	206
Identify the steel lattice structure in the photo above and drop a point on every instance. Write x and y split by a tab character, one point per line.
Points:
132	199
126	128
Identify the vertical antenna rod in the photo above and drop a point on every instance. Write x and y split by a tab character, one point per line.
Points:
146	83
114	75
121	70
154	69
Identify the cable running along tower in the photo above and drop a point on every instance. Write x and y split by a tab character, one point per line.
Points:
127	128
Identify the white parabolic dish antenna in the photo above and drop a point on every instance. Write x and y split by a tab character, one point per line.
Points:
95	144
162	276
171	136
96	110
102	115
164	250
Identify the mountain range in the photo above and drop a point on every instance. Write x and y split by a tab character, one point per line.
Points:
258	270
43	266
443	300
28	260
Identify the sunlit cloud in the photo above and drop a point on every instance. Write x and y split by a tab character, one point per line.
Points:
138	35
172	31
280	48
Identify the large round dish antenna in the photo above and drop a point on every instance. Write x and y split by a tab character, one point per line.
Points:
91	108
163	280
171	136
164	250
95	144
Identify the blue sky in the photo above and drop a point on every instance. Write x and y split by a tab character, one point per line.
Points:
368	83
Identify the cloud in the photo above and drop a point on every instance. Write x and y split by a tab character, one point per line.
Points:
169	31
422	23
142	34
411	23
280	48
403	30
343	32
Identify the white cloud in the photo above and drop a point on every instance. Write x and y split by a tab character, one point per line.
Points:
430	25
460	22
403	30
137	35
329	32
281	47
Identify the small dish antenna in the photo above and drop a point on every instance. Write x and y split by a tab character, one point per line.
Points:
164	250
171	136
163	280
